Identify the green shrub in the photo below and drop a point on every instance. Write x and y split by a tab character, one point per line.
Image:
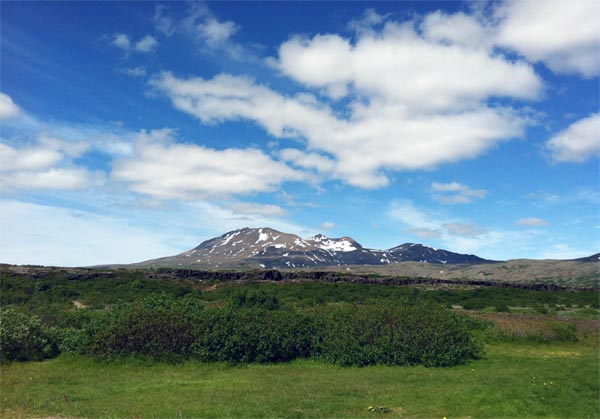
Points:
253	335
159	326
24	338
253	298
424	334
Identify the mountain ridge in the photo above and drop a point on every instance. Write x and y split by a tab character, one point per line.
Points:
267	248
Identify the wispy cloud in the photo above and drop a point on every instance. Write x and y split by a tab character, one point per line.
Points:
199	23
458	234
532	222
254	208
456	193
327	225
145	44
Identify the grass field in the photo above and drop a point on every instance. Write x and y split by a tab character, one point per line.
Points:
514	380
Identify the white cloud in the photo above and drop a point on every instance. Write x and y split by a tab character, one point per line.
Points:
122	41
369	20
463	229
209	32
562	34
458	28
163	21
374	138
578	143
253	208
399	66
164	169
134	71
54	178
38	158
304	160
461	236
145	45
532	222
424	233
216	32
327	225
456	193
8	108
45	165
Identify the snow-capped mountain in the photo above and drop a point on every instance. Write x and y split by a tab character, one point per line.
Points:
267	249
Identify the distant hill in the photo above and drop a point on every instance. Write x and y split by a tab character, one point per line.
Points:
265	248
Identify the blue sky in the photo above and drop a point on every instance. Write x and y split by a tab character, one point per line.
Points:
134	130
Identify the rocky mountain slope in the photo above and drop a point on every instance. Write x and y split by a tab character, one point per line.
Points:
265	248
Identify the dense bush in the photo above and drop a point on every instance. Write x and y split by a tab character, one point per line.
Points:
25	338
162	327
254	298
395	335
158	326
253	335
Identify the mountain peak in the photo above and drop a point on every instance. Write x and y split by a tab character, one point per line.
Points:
264	247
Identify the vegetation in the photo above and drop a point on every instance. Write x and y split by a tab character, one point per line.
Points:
131	347
513	380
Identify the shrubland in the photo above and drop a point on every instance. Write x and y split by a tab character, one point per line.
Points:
341	323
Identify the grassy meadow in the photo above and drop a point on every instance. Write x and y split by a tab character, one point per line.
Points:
513	380
540	358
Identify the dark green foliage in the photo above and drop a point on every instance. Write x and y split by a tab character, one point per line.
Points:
254	298
395	335
345	323
253	335
25	338
158	326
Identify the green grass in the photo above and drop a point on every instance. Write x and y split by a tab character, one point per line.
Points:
513	380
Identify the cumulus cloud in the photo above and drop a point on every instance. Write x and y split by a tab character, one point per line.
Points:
456	193
164	169
8	108
459	28
374	138
578	143
563	35
399	66
532	222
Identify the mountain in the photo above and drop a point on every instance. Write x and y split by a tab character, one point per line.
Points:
268	249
